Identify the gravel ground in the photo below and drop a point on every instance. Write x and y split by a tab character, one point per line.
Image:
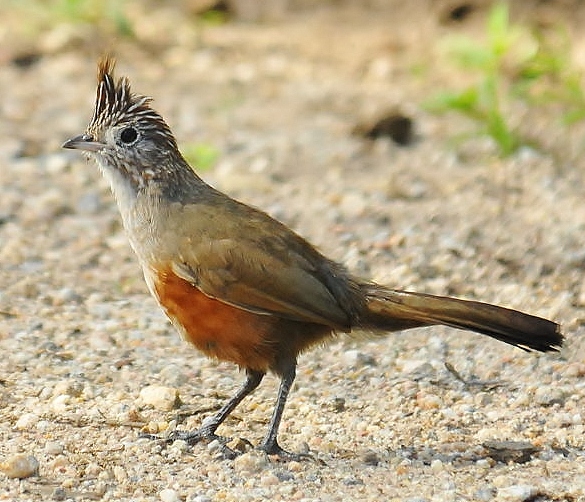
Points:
426	415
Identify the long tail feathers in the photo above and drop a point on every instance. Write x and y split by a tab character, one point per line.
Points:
392	310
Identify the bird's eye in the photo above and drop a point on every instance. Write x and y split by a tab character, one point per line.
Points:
128	135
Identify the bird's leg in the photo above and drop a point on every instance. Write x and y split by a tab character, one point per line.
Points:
207	430
270	444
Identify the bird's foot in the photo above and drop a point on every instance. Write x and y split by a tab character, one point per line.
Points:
193	437
190	437
207	436
274	449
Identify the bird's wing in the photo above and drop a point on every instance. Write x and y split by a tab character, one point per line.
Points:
242	273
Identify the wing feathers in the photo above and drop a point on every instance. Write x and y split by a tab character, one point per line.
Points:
255	280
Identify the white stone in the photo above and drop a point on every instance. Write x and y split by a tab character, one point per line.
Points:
26	421
169	495
20	466
160	397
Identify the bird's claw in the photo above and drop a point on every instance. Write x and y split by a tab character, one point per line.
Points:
274	449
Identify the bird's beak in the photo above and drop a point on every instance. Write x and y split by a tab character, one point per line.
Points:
83	142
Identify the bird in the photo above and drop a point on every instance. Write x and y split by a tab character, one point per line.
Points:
241	286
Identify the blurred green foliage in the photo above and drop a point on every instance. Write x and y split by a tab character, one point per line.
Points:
202	156
40	14
213	16
513	62
549	77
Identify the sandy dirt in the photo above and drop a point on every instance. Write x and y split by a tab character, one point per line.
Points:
89	362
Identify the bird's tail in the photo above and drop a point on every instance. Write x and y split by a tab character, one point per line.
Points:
392	310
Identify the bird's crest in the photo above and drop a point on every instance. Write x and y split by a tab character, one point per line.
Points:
114	98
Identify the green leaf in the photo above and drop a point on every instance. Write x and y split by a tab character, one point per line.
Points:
498	28
465	101
202	156
499	130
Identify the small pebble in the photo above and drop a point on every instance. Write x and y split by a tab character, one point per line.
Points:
120	474
160	397
437	465
547	396
295	466
199	498
59	493
153	427
370	458
284	475
353	204
428	401
510	451
93	469
59	404
214	446
516	493
43	425
338	404
20	466
249	463
269	479
485	494
64	296
239	445
26	421
173	375
53	448
180	445
169	495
